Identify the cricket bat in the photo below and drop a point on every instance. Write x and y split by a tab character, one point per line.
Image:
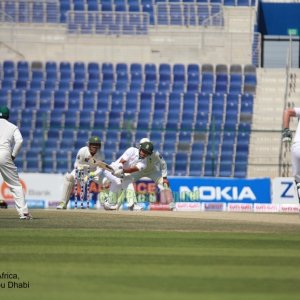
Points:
103	165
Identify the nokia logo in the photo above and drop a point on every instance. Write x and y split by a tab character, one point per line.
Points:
211	193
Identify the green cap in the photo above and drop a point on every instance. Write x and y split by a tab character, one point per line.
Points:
95	140
4	112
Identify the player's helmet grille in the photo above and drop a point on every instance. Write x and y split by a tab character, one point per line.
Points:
4	112
95	140
147	147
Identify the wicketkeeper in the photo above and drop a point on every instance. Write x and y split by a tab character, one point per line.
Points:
295	148
85	160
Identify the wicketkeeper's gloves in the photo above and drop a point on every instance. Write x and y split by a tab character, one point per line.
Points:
286	135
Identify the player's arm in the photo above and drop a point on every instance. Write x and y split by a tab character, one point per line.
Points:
288	113
163	168
128	170
286	133
18	141
79	161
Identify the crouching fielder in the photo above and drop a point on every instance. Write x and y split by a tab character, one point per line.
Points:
295	148
85	159
131	162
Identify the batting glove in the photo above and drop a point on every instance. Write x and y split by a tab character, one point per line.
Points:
166	182
119	173
286	135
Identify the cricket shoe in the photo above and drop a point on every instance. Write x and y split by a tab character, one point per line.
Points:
27	216
172	206
135	207
61	206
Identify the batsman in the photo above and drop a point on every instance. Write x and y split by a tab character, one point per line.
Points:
85	159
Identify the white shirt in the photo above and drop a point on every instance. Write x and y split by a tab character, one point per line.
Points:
10	137
84	158
297	134
156	163
131	156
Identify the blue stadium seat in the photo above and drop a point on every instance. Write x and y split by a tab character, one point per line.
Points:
170	141
42	118
23	13
85	119
163	87
149	87
55	119
117	101
74	100
38	12
115	120
150	72
156	137
103	101
31	99
135	86
132	101
52	12
62	159
181	163
108	73
4	94
92	6
27	118
89	100
17	98
179	73
71	119
146	100
60	100
164	72
178	87
196	165
143	121
10	9
235	83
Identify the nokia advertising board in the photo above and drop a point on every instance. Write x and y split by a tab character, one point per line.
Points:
226	190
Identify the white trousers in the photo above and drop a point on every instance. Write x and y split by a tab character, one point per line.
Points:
10	175
295	153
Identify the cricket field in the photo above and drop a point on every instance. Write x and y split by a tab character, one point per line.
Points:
149	255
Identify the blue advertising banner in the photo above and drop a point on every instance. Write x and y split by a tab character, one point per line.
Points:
228	190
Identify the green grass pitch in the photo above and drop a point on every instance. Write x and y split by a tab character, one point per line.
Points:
102	255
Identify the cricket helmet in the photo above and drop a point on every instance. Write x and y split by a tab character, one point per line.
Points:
147	147
94	140
4	112
144	140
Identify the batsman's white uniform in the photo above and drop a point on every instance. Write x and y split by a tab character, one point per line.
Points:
10	144
295	149
156	169
85	161
119	185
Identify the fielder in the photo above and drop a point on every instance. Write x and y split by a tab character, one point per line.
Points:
85	159
295	148
132	162
10	144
